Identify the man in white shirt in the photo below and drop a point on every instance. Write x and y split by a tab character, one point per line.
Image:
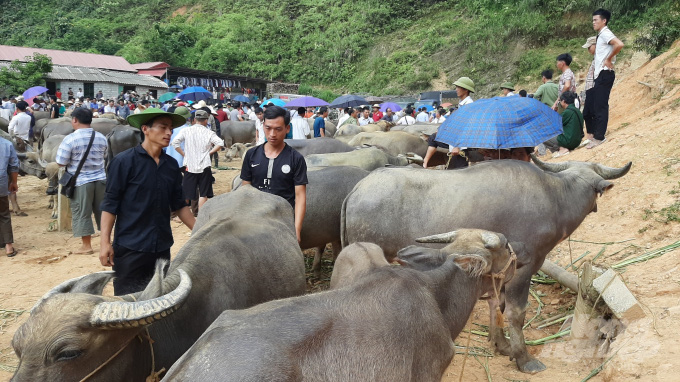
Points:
299	126
407	119
365	118
343	116
200	143
20	125
79	93
259	126
439	116
422	115
110	108
596	109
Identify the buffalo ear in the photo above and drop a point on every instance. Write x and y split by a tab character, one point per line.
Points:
523	256
420	258
603	186
473	264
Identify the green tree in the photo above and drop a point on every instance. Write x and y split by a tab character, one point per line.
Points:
20	76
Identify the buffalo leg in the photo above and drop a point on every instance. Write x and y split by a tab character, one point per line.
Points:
50	204
517	294
316	265
15	203
336	247
55	207
496	334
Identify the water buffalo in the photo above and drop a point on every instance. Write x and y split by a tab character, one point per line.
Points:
237	150
418	129
393	142
237	132
501	196
121	138
356	129
62	126
246	255
394	324
4	125
323	145
354	262
369	159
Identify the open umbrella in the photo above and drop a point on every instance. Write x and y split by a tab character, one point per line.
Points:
391	105
275	101
348	100
175	86
167	96
306	102
241	98
32	92
194	93
501	123
447	104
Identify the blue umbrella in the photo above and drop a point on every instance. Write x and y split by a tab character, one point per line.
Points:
348	100
32	92
241	98
306	102
501	123
175	87
275	101
391	105
194	93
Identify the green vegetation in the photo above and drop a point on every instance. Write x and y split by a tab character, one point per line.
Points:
395	47
20	76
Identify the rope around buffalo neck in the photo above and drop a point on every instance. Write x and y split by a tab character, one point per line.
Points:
154	376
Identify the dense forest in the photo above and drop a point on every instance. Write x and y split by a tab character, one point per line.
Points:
394	47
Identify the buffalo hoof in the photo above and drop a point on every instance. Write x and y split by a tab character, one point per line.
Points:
533	366
51	192
55	215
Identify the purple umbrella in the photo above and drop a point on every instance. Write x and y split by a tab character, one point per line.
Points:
305	102
391	105
32	92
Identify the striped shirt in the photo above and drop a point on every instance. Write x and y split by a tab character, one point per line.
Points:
72	149
198	141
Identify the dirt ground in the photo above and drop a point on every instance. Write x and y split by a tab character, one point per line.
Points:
643	206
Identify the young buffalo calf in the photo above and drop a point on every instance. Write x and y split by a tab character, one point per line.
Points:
391	324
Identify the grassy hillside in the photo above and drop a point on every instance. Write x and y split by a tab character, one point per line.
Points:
395	47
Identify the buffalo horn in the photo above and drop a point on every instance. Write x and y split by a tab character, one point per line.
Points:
124	314
491	240
448	237
21	156
95	281
611	172
550	167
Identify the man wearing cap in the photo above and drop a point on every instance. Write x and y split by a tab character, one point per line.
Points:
277	168
377	114
549	91
508	89
464	86
200	143
145	185
91	181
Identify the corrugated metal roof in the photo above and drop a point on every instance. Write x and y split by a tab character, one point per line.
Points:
100	75
152	72
150	65
67	58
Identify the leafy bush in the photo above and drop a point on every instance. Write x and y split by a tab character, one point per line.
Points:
662	28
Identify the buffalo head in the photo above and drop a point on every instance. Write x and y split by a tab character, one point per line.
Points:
73	329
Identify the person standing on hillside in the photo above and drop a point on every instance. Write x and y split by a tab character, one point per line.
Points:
607	46
567	79
548	92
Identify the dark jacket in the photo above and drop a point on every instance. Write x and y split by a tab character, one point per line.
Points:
572	124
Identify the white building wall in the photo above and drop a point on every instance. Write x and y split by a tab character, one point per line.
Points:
109	90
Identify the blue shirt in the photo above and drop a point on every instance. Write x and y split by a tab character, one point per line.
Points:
319	124
142	194
8	163
171	150
72	149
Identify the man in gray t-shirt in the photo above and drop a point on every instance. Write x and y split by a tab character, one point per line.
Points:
235	114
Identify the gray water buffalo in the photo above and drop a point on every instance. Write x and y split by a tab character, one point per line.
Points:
246	255
326	191
38	115
237	150
4	125
418	129
393	142
323	145
539	206
121	138
330	127
369	159
393	324
237	132
356	129
354	262
62	126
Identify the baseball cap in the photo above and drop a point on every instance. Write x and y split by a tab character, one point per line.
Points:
201	114
589	42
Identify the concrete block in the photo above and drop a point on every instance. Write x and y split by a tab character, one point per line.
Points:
617	296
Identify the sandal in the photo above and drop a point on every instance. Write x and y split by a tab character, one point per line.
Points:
13	253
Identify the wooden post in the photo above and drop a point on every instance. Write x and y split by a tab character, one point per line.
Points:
63	209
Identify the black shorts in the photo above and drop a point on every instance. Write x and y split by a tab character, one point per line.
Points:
134	269
202	181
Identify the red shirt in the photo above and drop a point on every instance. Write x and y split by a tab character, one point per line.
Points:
377	116
58	95
221	116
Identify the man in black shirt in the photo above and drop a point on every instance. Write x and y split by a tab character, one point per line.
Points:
144	185
275	167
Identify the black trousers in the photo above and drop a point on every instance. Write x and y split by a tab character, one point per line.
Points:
596	108
6	235
134	269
